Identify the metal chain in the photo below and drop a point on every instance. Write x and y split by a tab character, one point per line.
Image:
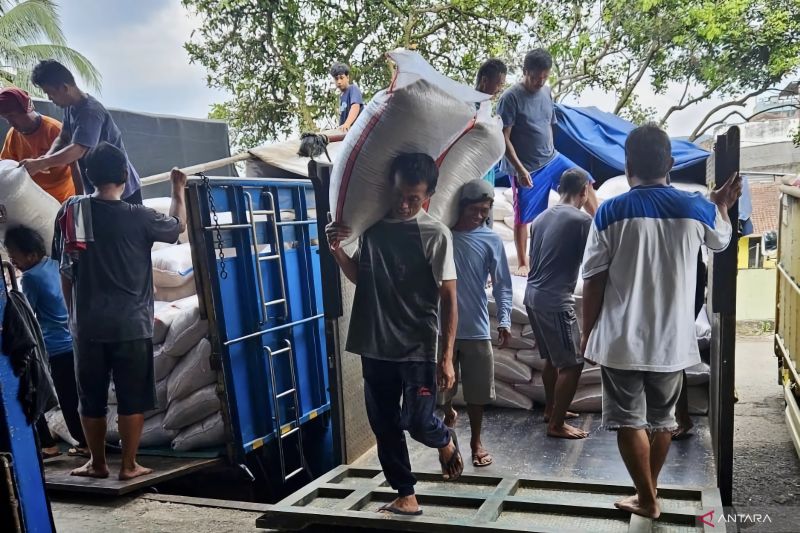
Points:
223	274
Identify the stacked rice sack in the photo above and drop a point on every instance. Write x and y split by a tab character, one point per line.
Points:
518	367
188	409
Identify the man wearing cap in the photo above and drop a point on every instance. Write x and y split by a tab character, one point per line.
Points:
478	253
31	136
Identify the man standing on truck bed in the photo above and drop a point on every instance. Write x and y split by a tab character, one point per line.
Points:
403	270
86	124
532	162
479	255
558	238
638	318
103	245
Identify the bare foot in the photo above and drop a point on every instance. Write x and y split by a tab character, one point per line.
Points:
137	470
450	418
568	416
566	432
522	270
90	470
632	505
403	505
684	431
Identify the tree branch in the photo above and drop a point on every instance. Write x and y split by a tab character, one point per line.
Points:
746	119
683	105
631	86
738	102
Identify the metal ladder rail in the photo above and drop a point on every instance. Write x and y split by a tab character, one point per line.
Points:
276	397
275	256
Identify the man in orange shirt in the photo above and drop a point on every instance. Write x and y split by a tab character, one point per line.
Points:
30	137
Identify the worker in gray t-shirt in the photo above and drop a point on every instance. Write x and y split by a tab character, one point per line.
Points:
405	281
558	238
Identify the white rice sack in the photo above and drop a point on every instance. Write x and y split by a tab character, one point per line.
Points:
204	434
154	434
588	399
511	254
502	212
527	332
506	396
698	374
163	315
162	363
186	330
172	266
509	220
534	389
469	158
590	375
162	205
112	394
508	369
171	294
161	399
619	185
509	193
195	407
698	400
702	329
192	372
58	426
25	203
421	111
532	358
503	231
112	426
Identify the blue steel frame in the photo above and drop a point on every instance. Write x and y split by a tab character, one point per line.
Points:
242	328
21	442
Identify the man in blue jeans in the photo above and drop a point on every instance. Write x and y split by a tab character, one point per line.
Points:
532	162
403	270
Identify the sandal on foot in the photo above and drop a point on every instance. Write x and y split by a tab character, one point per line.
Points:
389	508
77	452
479	460
454	458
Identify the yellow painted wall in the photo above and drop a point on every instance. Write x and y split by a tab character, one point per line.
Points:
755	294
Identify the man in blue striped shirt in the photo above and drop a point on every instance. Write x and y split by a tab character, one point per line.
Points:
639	273
479	254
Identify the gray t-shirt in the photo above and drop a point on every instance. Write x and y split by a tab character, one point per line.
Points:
531	117
89	124
558	238
401	265
112	292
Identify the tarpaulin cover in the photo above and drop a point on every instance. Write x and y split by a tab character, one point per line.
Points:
595	140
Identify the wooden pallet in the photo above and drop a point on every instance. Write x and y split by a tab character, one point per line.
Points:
349	497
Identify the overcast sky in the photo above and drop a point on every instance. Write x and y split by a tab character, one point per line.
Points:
138	48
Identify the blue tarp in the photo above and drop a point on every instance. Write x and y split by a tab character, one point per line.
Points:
595	140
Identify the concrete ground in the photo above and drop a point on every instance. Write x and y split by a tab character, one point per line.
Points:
766	468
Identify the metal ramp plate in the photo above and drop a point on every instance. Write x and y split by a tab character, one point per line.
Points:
57	473
350	497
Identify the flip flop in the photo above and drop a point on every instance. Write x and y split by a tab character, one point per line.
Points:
50	455
389	508
480	461
446	466
76	452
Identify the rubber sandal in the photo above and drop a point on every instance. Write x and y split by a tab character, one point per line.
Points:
50	455
76	452
446	466
477	460
389	508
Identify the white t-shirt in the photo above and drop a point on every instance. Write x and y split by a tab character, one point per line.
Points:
648	241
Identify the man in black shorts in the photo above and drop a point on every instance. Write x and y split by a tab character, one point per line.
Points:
107	279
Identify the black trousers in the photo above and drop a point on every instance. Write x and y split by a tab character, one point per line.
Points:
62	370
385	383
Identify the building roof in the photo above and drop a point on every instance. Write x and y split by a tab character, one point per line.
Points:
765	197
